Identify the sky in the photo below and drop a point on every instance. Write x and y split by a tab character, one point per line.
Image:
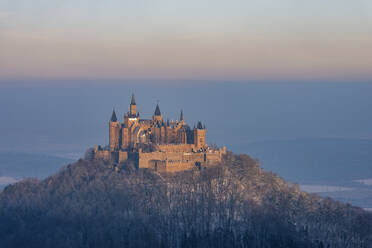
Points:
63	118
329	40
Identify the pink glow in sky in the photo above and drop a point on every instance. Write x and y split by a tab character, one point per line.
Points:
216	40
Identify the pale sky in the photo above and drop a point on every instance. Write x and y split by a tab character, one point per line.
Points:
194	39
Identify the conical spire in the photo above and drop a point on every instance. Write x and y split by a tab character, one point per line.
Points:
157	110
113	116
133	101
181	115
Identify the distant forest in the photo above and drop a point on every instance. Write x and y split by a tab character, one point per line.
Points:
234	204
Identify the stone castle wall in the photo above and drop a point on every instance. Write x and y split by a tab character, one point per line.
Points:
167	158
123	156
176	147
105	155
173	161
213	157
178	161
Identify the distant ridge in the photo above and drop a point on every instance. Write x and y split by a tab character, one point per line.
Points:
21	164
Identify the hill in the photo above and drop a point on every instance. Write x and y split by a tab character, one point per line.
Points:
235	204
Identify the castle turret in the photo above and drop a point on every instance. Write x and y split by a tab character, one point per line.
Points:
181	117
199	136
115	127
157	114
113	116
133	106
133	116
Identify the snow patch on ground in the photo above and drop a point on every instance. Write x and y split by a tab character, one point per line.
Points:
367	182
323	188
8	180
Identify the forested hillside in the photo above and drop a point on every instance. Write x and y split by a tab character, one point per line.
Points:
234	204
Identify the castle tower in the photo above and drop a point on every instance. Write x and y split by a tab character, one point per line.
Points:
133	107
132	117
199	136
181	117
115	127
157	115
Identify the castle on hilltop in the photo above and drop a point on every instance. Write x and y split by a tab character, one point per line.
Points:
157	144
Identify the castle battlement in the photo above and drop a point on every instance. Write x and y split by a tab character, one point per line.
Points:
156	144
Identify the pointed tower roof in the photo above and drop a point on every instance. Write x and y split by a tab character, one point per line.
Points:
113	116
199	126
181	115
133	101
157	110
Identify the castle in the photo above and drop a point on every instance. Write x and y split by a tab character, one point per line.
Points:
156	144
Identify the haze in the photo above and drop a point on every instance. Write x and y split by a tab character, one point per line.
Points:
72	117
